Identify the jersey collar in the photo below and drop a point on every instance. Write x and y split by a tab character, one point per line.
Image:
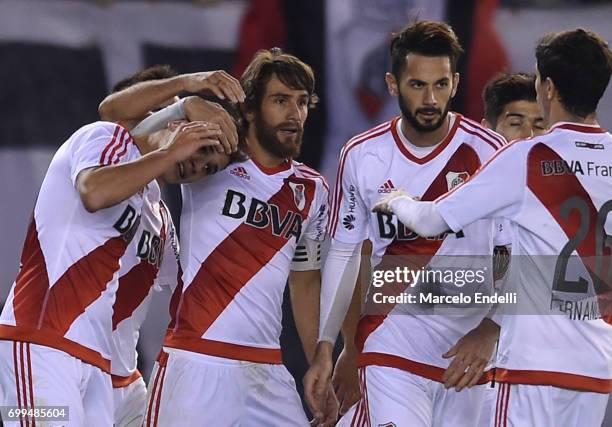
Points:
447	139
578	127
286	165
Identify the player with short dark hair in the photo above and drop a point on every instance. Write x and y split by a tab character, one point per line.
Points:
553	362
411	363
511	108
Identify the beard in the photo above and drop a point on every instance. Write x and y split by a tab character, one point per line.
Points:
414	121
268	138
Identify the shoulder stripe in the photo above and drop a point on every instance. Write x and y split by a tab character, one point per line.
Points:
352	143
128	141
478	127
485	139
110	144
116	147
313	175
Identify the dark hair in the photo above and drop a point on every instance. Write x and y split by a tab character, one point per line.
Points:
579	63
290	70
156	72
505	88
428	38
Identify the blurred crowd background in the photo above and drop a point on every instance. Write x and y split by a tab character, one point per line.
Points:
58	59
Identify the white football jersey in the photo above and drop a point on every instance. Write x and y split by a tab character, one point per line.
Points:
239	233
411	336
64	292
556	191
150	262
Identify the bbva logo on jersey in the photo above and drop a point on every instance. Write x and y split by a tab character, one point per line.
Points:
260	214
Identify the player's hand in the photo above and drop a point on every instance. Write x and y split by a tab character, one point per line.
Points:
330	409
218	82
471	354
346	379
317	381
383	204
188	138
197	109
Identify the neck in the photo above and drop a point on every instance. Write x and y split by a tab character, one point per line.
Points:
425	139
560	114
144	144
258	153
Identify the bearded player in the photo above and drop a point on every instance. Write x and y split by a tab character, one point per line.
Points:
417	369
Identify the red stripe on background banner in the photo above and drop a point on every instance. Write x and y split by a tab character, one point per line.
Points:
261	14
464	159
244	252
487	56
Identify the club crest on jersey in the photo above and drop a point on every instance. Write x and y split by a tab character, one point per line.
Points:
453	179
299	196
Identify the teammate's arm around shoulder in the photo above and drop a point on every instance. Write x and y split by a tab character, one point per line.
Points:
135	102
108	183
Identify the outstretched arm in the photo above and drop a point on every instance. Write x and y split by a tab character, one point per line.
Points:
135	102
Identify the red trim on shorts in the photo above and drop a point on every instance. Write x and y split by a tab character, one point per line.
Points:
153	396
271	356
501	409
16	371
41	337
27	345
120	381
433	373
556	379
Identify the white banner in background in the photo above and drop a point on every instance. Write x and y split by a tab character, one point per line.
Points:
357	50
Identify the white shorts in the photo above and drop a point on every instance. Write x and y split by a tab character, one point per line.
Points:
191	389
396	398
488	406
130	402
32	376
520	405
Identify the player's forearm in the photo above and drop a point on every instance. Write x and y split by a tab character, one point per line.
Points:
349	326
338	283
421	217
134	102
305	287
106	186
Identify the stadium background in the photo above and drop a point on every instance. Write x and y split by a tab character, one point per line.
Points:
58	58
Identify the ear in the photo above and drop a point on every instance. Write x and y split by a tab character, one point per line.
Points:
392	86
486	124
455	84
550	89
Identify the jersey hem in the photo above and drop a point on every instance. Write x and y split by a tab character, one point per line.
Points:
245	353
120	381
40	337
424	370
555	379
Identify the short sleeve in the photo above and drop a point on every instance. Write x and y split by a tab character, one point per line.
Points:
349	219
99	145
496	190
317	226
169	268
